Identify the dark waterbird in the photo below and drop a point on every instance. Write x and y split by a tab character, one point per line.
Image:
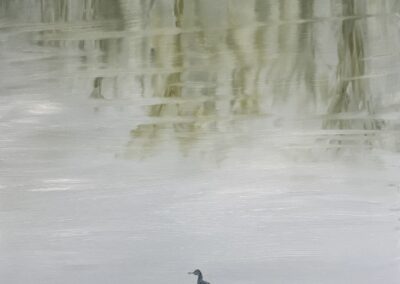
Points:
199	277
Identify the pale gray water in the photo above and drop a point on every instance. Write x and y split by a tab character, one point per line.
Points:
256	140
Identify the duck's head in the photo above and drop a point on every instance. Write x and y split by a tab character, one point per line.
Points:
196	272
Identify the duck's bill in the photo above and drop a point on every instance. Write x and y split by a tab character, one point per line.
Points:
190	272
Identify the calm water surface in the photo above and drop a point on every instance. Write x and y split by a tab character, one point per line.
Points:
256	140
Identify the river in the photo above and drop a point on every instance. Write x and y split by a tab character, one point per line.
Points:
255	140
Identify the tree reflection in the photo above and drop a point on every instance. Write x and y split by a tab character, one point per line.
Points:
352	93
202	67
265	57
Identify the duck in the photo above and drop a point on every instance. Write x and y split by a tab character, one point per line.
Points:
199	275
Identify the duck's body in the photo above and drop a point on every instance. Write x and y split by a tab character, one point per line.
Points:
199	277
